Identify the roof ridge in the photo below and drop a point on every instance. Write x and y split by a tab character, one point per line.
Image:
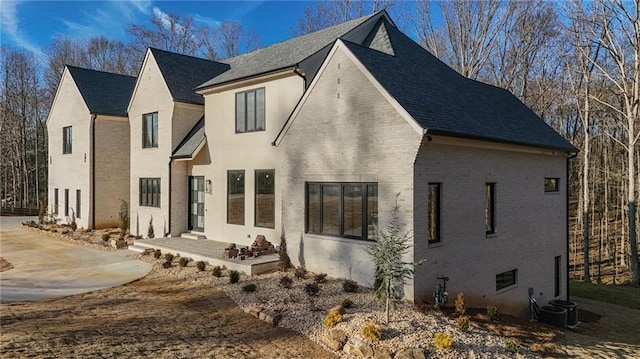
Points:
100	71
152	49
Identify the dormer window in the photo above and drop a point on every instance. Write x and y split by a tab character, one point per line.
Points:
250	111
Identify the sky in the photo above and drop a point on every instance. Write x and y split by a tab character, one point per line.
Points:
31	24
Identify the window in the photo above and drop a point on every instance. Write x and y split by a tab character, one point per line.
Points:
67	140
250	111
78	203
265	205
556	275
342	209
235	197
66	202
150	192
551	184
433	213
150	130
490	208
506	279
55	201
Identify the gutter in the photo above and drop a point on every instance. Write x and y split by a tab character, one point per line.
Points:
569	157
92	225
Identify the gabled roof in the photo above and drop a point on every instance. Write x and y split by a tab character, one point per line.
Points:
104	93
291	52
446	103
193	141
183	73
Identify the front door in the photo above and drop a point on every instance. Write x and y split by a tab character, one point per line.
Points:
196	203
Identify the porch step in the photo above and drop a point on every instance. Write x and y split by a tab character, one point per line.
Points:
191	235
137	248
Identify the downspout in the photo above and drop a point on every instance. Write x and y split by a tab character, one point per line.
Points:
571	155
93	171
169	194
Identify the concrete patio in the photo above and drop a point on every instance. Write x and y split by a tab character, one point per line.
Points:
209	251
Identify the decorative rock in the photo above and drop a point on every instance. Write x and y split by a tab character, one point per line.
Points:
335	339
382	354
338	308
358	348
273	318
262	316
414	353
255	311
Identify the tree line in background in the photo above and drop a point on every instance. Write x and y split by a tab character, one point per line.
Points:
575	63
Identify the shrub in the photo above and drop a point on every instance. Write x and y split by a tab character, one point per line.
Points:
200	265
286	282
183	261
168	257
157	254
347	303
150	232
312	288
217	271
463	323
492	312
249	288
301	273
234	276
511	347
166	264
333	318
105	236
123	217
284	262
460	307
372	331
443	340
350	286
320	278
73	225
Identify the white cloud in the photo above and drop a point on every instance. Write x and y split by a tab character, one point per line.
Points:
206	21
9	22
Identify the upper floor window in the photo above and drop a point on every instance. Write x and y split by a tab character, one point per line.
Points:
490	208
551	184
67	140
433	213
150	130
250	111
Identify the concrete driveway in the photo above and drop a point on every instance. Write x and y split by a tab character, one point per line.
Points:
44	267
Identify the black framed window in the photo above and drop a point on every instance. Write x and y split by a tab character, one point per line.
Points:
433	212
250	110
347	210
78	203
150	130
506	279
56	203
235	197
150	192
67	140
557	262
265	198
551	184
490	208
66	202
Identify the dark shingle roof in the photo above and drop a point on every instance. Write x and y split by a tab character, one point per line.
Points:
183	73
444	102
290	52
191	142
104	93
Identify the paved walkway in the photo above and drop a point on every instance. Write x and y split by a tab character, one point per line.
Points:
44	267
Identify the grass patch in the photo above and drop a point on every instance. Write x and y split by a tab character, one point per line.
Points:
622	295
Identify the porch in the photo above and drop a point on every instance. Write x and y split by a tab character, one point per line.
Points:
208	251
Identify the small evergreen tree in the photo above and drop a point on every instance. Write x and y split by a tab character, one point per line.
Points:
285	261
387	253
150	233
123	215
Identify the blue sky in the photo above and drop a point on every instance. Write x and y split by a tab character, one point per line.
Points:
31	24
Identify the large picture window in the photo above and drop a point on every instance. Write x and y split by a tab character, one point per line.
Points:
250	110
490	208
67	140
347	210
150	130
433	212
265	205
235	197
150	192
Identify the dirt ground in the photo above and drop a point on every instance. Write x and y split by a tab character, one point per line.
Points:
157	316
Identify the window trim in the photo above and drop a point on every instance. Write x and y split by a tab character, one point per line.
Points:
244	197
490	228
154	116
553	189
511	284
149	183
340	234
255	197
67	139
438	214
255	110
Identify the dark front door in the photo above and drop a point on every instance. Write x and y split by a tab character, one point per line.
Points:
196	203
